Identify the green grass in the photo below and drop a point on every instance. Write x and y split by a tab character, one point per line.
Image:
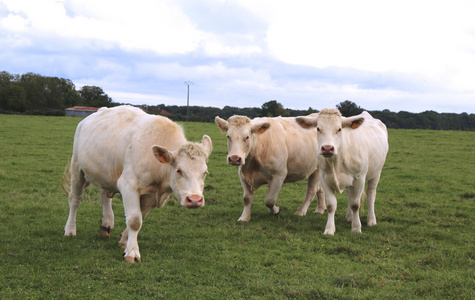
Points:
422	247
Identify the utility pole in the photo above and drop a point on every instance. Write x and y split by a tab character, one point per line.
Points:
188	83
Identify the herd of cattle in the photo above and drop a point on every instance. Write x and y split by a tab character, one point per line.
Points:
147	157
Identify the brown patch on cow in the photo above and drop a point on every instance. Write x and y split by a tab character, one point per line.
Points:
106	231
162	154
264	127
135	223
354	125
330	208
355	207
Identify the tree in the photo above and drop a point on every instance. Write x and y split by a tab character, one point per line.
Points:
72	98
15	98
273	109
34	86
348	108
94	96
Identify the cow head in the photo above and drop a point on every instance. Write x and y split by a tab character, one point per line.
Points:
240	133
331	126
188	170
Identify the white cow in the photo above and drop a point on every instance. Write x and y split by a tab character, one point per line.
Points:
353	151
143	157
272	151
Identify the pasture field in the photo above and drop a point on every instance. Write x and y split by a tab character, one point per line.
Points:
422	247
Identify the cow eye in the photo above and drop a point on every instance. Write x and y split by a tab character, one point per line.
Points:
246	138
318	129
228	137
339	130
179	171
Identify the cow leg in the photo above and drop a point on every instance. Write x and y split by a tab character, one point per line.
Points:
309	195
248	198
321	206
354	195
275	184
124	235
371	198
349	212
74	198
147	203
331	208
107	222
133	218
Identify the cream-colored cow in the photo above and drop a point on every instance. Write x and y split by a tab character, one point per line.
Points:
143	157
272	151
353	151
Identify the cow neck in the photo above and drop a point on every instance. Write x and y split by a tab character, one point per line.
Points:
335	164
251	166
163	182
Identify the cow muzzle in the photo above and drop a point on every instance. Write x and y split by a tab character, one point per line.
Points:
327	150
194	201
235	160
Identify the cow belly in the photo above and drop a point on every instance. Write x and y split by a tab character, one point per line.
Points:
104	182
295	177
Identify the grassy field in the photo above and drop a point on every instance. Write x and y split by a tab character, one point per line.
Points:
422	247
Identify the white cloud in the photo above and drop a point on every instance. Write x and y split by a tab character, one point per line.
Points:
402	55
426	37
142	25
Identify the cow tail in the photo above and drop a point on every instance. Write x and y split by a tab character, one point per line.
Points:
66	180
363	197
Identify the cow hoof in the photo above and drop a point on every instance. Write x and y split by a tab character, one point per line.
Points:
371	223
241	219
274	210
106	231
71	232
131	259
319	211
356	230
123	245
329	232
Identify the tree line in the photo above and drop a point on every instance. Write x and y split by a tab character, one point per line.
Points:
32	93
402	119
35	94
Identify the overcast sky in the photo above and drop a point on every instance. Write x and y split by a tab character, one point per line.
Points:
399	55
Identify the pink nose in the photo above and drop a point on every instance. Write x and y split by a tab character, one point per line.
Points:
327	150
235	160
194	201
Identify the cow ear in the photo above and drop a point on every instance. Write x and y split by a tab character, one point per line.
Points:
306	122
353	123
260	128
162	155
222	124
207	144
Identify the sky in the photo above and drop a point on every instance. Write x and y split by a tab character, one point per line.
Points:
414	55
